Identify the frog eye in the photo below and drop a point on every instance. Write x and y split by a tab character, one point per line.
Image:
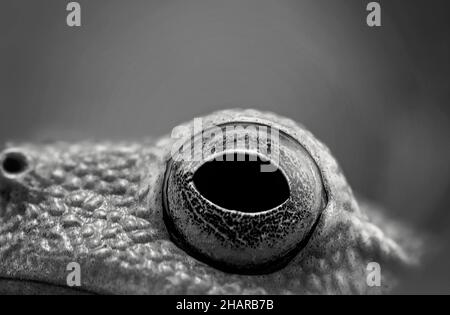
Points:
241	199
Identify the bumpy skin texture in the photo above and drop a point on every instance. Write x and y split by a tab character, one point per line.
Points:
100	204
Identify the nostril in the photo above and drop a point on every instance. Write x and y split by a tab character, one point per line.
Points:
14	163
241	185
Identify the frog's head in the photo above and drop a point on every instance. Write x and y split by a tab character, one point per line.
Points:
185	215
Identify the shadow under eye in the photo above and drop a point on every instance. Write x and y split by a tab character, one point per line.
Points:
239	184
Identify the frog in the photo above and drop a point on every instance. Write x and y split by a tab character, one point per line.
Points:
130	215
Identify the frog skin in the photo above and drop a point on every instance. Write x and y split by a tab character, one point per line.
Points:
101	204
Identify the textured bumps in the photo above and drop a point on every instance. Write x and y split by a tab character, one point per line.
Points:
99	204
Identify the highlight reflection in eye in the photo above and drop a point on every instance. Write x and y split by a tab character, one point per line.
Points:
227	208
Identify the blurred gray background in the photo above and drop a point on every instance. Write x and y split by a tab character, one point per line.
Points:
378	97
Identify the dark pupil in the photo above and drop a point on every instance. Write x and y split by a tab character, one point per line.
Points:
240	185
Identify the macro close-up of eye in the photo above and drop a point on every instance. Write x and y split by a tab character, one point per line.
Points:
242	197
226	148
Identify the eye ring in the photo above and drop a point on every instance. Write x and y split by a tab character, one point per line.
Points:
235	241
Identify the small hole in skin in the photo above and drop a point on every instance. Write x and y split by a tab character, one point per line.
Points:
14	163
